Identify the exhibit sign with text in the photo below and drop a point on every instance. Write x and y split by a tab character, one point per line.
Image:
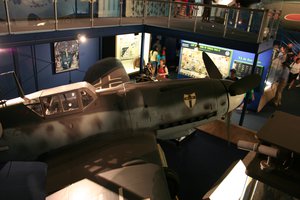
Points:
191	63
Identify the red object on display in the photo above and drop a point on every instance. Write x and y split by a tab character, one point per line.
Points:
292	17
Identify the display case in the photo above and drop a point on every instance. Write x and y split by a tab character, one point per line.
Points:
128	50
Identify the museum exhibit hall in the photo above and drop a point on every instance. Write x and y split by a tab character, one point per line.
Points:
149	99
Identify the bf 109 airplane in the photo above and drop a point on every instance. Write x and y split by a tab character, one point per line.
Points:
107	119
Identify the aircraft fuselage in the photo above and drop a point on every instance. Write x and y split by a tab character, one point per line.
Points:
166	108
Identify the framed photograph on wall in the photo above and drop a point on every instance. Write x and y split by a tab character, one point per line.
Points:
66	55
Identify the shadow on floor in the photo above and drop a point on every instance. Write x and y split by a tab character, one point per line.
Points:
200	161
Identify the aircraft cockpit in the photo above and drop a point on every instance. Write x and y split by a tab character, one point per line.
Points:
64	102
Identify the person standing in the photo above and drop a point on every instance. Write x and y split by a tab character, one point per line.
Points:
206	11
162	71
289	55
153	57
232	75
157	45
282	81
294	72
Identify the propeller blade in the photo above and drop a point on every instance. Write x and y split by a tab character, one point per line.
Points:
245	84
211	68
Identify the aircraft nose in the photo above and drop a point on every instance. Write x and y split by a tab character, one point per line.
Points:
235	101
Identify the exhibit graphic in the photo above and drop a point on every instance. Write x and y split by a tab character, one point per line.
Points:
66	55
191	62
244	69
128	50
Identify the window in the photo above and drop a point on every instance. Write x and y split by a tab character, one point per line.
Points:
51	105
69	101
37	108
64	102
86	98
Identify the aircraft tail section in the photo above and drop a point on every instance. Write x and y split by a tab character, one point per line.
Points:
106	73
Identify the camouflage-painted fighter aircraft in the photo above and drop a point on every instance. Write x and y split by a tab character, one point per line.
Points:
103	130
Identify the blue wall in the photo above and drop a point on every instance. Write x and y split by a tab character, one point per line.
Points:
264	59
25	66
7	84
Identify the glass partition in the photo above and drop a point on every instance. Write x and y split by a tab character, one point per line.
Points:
254	25
3	25
157	13
108	12
244	24
134	12
256	21
29	15
183	16
73	14
211	20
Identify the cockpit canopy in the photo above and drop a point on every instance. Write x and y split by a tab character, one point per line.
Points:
56	103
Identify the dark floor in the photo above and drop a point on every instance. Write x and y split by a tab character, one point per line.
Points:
200	162
202	159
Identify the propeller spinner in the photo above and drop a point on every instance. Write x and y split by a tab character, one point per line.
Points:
236	89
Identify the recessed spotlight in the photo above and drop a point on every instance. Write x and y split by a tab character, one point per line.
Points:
41	24
82	38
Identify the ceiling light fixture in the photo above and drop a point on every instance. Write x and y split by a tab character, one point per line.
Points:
81	38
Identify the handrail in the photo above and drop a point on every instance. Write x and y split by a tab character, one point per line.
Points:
170	6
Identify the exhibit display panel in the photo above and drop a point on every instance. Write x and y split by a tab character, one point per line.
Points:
191	63
128	50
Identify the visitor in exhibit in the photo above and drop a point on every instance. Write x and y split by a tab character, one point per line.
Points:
163	54
162	71
294	72
249	99
177	8
206	11
149	70
277	62
157	45
190	8
232	75
289	55
282	81
153	57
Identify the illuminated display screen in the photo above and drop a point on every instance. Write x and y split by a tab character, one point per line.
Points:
191	62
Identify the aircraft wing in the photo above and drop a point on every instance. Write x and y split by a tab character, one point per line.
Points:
128	168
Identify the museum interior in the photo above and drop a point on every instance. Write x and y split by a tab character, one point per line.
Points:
49	46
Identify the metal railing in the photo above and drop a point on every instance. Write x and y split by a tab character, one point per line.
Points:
25	16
